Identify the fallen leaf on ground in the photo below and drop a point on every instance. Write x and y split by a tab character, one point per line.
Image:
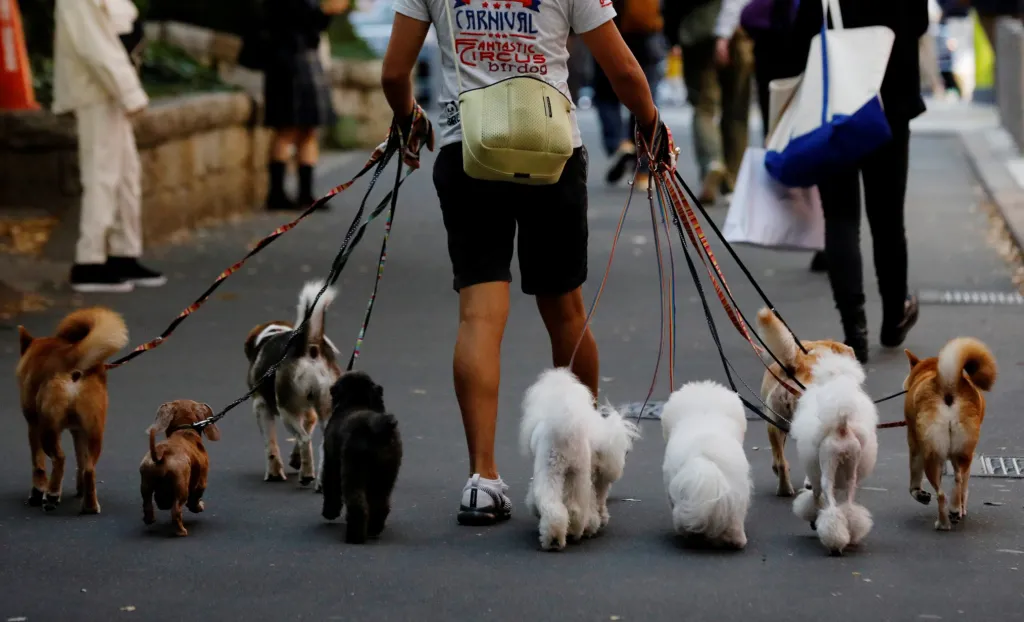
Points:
128	608
26	236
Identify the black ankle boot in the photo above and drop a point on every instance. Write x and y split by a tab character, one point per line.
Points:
896	326
855	327
306	197
276	198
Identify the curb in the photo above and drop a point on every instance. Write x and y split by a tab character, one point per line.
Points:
999	167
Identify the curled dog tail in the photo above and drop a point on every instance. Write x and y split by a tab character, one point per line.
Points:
966	355
704	502
156	453
315	328
776	336
95	334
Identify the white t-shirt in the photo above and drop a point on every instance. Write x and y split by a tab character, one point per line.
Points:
500	40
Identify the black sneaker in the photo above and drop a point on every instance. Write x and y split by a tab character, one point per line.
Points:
484	502
622	159
89	278
893	335
131	271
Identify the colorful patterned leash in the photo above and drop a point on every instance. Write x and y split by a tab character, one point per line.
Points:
375	158
776	420
694	232
381	261
696	228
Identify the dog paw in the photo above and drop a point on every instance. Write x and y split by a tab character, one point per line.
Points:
181	532
785	489
274	477
197	507
955	516
51	502
814	525
921	496
95	509
295	461
306	480
149	520
552	544
35	498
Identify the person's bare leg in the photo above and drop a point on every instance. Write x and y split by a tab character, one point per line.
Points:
565	317
483	311
307	146
281	144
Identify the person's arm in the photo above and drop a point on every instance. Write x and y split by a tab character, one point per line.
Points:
103	53
725	27
624	72
407	37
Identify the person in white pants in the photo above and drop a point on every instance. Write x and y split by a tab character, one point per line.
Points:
94	77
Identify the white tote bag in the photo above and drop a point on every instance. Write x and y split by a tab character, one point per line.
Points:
765	213
834	115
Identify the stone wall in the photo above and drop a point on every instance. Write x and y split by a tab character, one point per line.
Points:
356	91
203	158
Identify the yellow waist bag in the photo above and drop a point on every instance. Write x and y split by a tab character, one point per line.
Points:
518	130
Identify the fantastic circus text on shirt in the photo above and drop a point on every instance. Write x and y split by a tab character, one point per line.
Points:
499	36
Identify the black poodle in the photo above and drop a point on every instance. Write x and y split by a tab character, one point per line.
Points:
362	455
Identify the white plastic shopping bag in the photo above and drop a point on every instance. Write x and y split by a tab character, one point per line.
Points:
765	213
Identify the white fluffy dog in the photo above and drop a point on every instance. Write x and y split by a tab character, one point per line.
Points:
834	425
577	455
707	474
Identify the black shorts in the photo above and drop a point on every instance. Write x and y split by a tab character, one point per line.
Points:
481	219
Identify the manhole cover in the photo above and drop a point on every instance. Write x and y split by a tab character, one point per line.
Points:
653	411
632	410
1010	467
963	297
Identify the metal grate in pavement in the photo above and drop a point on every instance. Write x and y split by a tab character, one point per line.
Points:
964	297
653	411
1001	467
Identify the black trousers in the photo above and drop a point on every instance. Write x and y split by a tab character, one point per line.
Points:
770	63
885	187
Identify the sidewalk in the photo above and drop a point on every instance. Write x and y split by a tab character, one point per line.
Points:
262	550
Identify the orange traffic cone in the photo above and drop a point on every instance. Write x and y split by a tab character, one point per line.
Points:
16	92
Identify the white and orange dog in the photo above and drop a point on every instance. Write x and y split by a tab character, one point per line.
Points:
944	409
578	453
835	430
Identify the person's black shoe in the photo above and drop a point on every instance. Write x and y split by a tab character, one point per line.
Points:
622	159
90	278
855	327
819	263
277	200
895	333
131	271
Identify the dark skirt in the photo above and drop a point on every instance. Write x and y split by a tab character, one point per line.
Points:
296	92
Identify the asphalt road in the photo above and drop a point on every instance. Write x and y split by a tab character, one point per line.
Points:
262	552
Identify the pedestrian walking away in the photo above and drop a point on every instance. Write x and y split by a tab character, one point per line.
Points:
884	174
296	92
95	78
641	24
718	65
551	219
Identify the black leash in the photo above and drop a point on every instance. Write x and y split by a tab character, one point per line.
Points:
352	237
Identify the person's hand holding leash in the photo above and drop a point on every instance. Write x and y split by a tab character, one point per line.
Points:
416	131
655	142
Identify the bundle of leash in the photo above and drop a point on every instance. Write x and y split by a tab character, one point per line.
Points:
294	374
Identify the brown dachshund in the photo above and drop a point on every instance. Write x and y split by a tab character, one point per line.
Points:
174	471
63	384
